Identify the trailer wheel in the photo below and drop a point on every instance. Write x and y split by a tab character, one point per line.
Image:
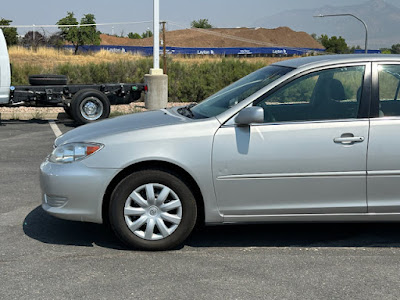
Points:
89	105
48	79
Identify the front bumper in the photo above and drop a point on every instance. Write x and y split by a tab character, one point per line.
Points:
73	191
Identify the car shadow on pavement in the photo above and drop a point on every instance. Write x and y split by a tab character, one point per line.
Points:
47	229
69	123
42	227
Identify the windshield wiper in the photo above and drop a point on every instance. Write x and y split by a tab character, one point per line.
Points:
186	110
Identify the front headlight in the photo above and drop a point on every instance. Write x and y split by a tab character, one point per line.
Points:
72	152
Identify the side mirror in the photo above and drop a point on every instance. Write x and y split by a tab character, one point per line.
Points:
248	115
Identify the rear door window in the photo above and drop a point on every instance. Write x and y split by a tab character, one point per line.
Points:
389	85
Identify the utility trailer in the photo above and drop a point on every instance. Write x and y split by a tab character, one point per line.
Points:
84	103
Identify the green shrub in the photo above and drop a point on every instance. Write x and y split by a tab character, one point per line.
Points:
20	73
187	82
195	82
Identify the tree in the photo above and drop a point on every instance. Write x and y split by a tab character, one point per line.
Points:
70	34
33	39
201	23
79	36
354	48
135	36
385	51
10	33
148	33
395	49
89	34
56	40
314	36
334	44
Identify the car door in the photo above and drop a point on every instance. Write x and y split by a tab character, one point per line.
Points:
5	72
384	146
309	155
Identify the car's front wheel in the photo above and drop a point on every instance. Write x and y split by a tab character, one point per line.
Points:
152	210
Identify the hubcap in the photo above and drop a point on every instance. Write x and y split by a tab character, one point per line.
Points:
153	211
91	108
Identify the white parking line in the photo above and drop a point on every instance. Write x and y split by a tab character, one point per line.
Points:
55	128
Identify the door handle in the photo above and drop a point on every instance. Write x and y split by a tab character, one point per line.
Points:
348	140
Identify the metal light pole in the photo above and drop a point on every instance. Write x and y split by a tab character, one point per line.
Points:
350	15
156	34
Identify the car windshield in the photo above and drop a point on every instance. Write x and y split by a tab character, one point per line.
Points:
235	93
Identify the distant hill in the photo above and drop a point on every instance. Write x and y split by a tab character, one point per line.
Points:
382	18
224	37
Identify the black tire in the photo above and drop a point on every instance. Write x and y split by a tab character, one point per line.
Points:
48	79
136	96
83	102
67	110
136	181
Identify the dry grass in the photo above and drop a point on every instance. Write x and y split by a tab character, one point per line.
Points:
50	57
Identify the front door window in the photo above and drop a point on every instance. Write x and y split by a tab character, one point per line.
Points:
324	95
389	86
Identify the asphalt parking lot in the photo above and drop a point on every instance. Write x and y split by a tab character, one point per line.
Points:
42	257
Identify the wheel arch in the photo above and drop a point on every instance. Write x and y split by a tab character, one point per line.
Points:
158	165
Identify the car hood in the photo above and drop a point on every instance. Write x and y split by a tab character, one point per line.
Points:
122	124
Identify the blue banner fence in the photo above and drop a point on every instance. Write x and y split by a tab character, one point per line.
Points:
362	51
148	51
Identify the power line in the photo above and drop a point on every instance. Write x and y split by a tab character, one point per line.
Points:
78	25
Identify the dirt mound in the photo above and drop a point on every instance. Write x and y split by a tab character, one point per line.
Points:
225	37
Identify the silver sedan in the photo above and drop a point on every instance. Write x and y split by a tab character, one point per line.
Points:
308	139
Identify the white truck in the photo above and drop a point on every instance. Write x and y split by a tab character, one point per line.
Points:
84	103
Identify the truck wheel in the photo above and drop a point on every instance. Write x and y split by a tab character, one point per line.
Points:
89	105
136	95
48	79
67	110
152	210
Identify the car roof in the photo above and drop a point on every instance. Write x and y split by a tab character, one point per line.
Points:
314	61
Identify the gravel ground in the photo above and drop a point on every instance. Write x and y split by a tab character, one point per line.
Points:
26	113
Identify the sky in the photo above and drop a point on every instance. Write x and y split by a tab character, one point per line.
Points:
220	13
